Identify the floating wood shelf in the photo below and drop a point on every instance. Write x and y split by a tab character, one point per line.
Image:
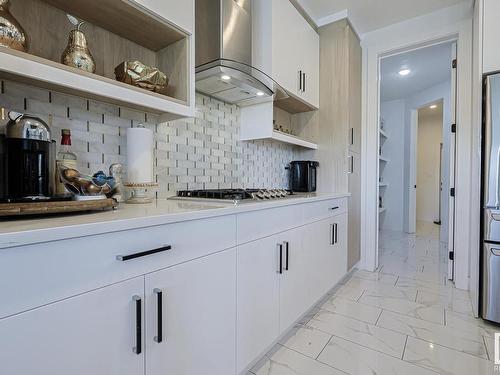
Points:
20	66
125	19
291	139
294	105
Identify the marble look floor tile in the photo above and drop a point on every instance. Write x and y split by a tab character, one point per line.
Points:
289	362
306	340
419	283
417	310
355	310
462	306
373	337
348	292
490	347
376	276
389	291
432	332
357	360
444	360
467	323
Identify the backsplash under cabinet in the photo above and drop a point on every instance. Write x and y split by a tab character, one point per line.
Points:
198	153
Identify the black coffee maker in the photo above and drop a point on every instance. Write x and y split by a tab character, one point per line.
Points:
28	159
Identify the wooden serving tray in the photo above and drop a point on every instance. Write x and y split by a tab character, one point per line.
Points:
42	208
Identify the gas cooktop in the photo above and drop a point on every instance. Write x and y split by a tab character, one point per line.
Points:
234	195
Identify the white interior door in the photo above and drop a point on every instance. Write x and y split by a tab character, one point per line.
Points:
451	216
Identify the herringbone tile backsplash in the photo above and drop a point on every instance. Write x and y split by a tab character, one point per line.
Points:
199	153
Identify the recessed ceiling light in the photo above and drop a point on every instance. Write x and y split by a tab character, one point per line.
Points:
260	93
404	72
434	106
226	78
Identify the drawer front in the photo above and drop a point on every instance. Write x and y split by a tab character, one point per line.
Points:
324	209
35	275
258	224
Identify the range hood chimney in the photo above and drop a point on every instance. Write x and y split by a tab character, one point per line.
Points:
224	55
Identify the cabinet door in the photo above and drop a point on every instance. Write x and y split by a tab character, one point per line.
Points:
310	61
179	13
491	31
339	258
354	49
287	45
93	333
197	319
294	291
354	233
257	298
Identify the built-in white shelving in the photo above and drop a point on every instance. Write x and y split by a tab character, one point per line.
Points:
288	138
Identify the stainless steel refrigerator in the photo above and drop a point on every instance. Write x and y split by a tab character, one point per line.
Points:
490	251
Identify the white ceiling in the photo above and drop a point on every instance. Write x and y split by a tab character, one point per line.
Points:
429	66
369	15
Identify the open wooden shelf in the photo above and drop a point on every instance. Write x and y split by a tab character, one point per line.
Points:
294	105
116	31
291	139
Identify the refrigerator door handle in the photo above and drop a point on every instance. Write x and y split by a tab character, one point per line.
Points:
495	252
497	198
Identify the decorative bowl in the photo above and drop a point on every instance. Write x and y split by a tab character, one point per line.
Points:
82	185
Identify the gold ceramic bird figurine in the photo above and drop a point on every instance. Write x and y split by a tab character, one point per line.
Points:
77	53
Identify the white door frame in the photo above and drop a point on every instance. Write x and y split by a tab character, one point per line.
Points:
412	183
454	23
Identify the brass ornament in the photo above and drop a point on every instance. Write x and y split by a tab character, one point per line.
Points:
12	35
77	53
138	74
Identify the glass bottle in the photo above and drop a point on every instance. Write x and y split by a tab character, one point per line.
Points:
65	159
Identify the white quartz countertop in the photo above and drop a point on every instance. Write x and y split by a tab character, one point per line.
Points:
25	231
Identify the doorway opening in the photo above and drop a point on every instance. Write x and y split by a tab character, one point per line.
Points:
417	162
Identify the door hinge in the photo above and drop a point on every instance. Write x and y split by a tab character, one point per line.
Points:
451	255
452	192
453	128
454	64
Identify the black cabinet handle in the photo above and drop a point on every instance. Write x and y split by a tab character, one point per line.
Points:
143	253
138	325
334	208
287	246
300	80
332	235
336	233
304	84
352	136
159	305
280	261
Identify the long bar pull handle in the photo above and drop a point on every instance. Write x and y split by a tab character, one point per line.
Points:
332	235
336	233
138	325
287	246
304	84
352	136
280	260
143	253
159	306
300	80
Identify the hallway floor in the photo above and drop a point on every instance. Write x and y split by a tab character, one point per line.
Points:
406	319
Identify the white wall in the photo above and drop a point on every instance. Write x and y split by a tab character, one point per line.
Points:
393	113
431	95
430	128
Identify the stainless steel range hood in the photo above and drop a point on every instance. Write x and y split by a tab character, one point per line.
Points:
224	54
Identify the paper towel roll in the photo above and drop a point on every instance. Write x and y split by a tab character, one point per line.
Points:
139	155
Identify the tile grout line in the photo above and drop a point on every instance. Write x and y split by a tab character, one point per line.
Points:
404	348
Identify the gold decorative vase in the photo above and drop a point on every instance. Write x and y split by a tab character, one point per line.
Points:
12	34
77	53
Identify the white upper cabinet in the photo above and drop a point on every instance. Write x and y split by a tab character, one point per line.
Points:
291	58
491	32
179	13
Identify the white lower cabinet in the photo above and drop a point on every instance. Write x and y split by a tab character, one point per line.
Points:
280	277
92	333
194	333
257	298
